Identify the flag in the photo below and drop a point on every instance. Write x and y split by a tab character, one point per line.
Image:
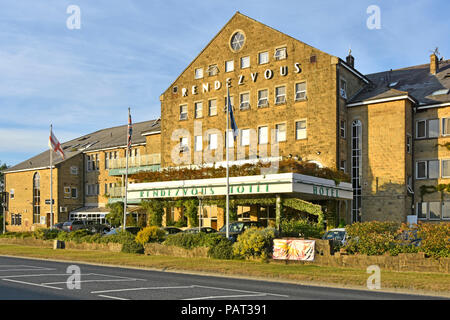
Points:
54	144
130	130
232	121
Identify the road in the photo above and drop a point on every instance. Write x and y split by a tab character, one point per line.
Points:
30	279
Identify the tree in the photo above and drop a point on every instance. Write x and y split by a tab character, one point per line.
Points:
115	215
2	189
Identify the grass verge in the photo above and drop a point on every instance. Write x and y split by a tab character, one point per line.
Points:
413	282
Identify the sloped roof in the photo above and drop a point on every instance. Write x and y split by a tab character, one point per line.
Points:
416	81
101	139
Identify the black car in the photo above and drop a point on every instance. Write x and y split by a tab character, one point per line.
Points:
132	230
202	229
237	228
172	230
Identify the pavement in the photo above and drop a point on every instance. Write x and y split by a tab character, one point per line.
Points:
34	279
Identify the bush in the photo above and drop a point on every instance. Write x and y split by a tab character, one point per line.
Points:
45	234
150	234
254	243
193	240
435	239
223	250
301	228
133	247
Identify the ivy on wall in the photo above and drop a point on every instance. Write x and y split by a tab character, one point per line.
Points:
443	187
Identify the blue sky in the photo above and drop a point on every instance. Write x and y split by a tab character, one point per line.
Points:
127	53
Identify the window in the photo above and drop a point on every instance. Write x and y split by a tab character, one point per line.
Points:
263	137
67	193
446	126
263	57
244	101
434	210
11	193
213	70
300	130
198	143
342	128
229	66
212	107
427	169
343	88
280	54
36	198
108	157
199	73
280	132
280	95
245	137
263	98
74	193
245	62
427	128
16	219
237	41
198	106
422	210
356	170
446	210
183	144
226	103
212	141
408	143
183	112
92	189
230	139
74	170
343	165
300	91
445	168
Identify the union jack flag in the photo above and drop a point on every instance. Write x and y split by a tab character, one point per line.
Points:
130	130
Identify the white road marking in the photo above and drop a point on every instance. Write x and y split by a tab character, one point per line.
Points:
234	296
103	280
42	269
39	275
107	275
137	289
32	284
244	291
116	298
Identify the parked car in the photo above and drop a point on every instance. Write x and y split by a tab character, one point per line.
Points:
132	230
57	226
237	228
75	225
338	235
172	230
202	229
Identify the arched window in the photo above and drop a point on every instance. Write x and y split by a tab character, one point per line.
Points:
356	170
36	198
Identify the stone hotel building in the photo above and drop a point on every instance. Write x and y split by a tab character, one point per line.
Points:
389	131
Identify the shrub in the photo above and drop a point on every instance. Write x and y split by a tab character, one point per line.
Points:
302	228
223	250
121	237
193	240
435	239
254	243
45	234
133	247
150	234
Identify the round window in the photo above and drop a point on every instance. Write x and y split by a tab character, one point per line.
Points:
237	41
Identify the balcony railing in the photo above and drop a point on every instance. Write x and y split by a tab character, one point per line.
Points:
139	161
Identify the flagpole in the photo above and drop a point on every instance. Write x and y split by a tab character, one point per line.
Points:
126	175
51	182
228	175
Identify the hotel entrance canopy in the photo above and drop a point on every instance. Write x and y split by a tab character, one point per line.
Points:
291	184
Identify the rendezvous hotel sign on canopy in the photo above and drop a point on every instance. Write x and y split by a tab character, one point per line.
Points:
247	185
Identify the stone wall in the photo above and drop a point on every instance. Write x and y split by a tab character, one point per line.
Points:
160	249
109	247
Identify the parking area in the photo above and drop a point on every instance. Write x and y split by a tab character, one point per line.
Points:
74	281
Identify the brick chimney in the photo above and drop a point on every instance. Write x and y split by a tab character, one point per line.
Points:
350	59
434	64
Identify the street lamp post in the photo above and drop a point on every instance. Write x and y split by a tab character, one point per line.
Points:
200	197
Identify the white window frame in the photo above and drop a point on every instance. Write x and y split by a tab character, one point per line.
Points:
67	193
213	141
76	192
428	127
244	104
425	129
229	66
277	136
245	137
444	120
244	59
280	53
343	88
198	73
261	103
198	143
426	210
343	129
283	96
11	194
442	211
266	54
266	141
74	170
230	138
209	107
297	92
429	211
427	169
183	115
343	165
305	129
442	168
196	116
213	70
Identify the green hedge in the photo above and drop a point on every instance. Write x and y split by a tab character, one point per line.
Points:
301	228
254	243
